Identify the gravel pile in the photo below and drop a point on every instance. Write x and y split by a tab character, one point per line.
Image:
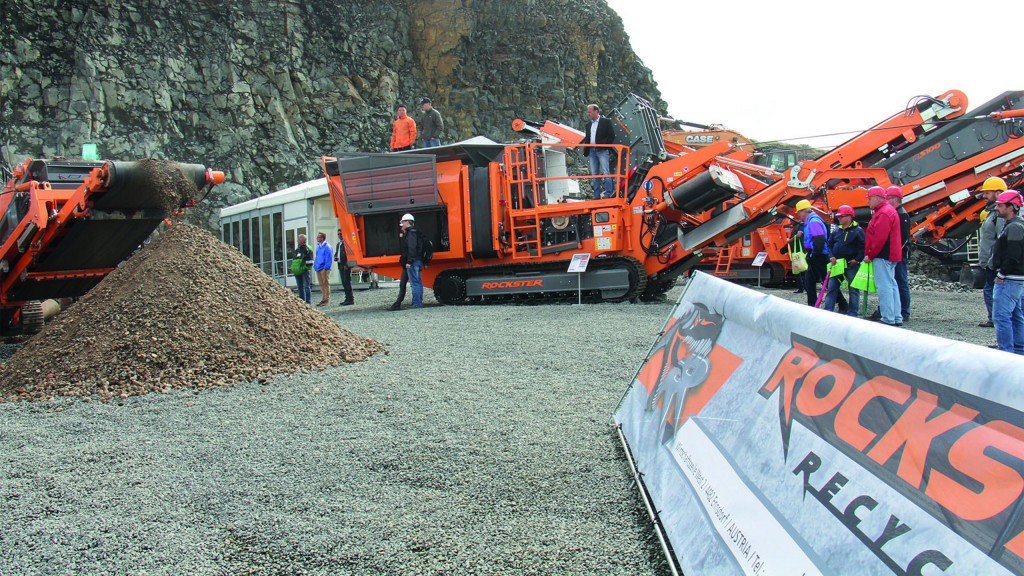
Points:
186	311
480	445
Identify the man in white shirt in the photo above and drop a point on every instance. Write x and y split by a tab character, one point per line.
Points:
599	131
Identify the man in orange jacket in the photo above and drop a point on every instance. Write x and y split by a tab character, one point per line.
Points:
403	132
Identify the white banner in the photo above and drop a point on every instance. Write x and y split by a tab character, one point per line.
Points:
775	438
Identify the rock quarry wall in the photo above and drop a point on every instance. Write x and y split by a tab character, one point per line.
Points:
263	88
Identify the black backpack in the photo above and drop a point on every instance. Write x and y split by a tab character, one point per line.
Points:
427	249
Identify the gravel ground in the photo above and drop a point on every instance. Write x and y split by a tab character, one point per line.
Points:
478	444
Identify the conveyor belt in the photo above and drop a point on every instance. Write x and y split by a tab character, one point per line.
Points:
134	200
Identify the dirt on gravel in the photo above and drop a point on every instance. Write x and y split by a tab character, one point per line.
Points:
187	311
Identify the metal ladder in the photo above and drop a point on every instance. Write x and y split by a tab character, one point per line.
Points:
526	230
973	247
724	263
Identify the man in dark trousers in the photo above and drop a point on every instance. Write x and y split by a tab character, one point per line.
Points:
815	239
991	226
894	195
346	272
845	244
599	131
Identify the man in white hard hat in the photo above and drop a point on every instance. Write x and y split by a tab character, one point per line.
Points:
411	259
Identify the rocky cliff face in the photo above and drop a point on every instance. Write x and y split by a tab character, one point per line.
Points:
262	88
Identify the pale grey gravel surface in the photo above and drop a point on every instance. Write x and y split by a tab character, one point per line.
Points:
479	444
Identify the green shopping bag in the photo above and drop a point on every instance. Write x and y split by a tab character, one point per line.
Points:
839	268
798	260
865	278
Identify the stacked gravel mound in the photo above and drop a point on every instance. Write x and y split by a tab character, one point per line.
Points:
187	311
924	264
931	284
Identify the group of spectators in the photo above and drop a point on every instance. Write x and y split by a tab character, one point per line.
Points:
1001	252
305	260
834	258
319	260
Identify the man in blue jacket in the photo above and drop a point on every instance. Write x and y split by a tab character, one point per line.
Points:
846	244
322	266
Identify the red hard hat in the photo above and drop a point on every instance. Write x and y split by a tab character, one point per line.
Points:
1009	197
894	191
845	210
876	191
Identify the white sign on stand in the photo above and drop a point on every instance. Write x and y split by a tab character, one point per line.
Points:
579	266
758	262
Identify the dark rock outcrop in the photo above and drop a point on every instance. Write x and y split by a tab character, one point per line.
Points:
263	89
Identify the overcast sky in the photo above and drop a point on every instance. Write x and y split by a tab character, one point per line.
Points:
795	69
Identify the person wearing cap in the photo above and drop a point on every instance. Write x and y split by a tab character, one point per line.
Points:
1008	259
599	131
431	124
894	195
882	246
403	131
846	245
815	239
411	260
991	227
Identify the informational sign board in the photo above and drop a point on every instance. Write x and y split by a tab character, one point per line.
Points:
759	259
775	438
579	263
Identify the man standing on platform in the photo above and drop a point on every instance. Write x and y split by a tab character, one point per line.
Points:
431	124
403	132
599	131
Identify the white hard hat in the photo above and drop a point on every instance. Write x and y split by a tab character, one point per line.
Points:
408	217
